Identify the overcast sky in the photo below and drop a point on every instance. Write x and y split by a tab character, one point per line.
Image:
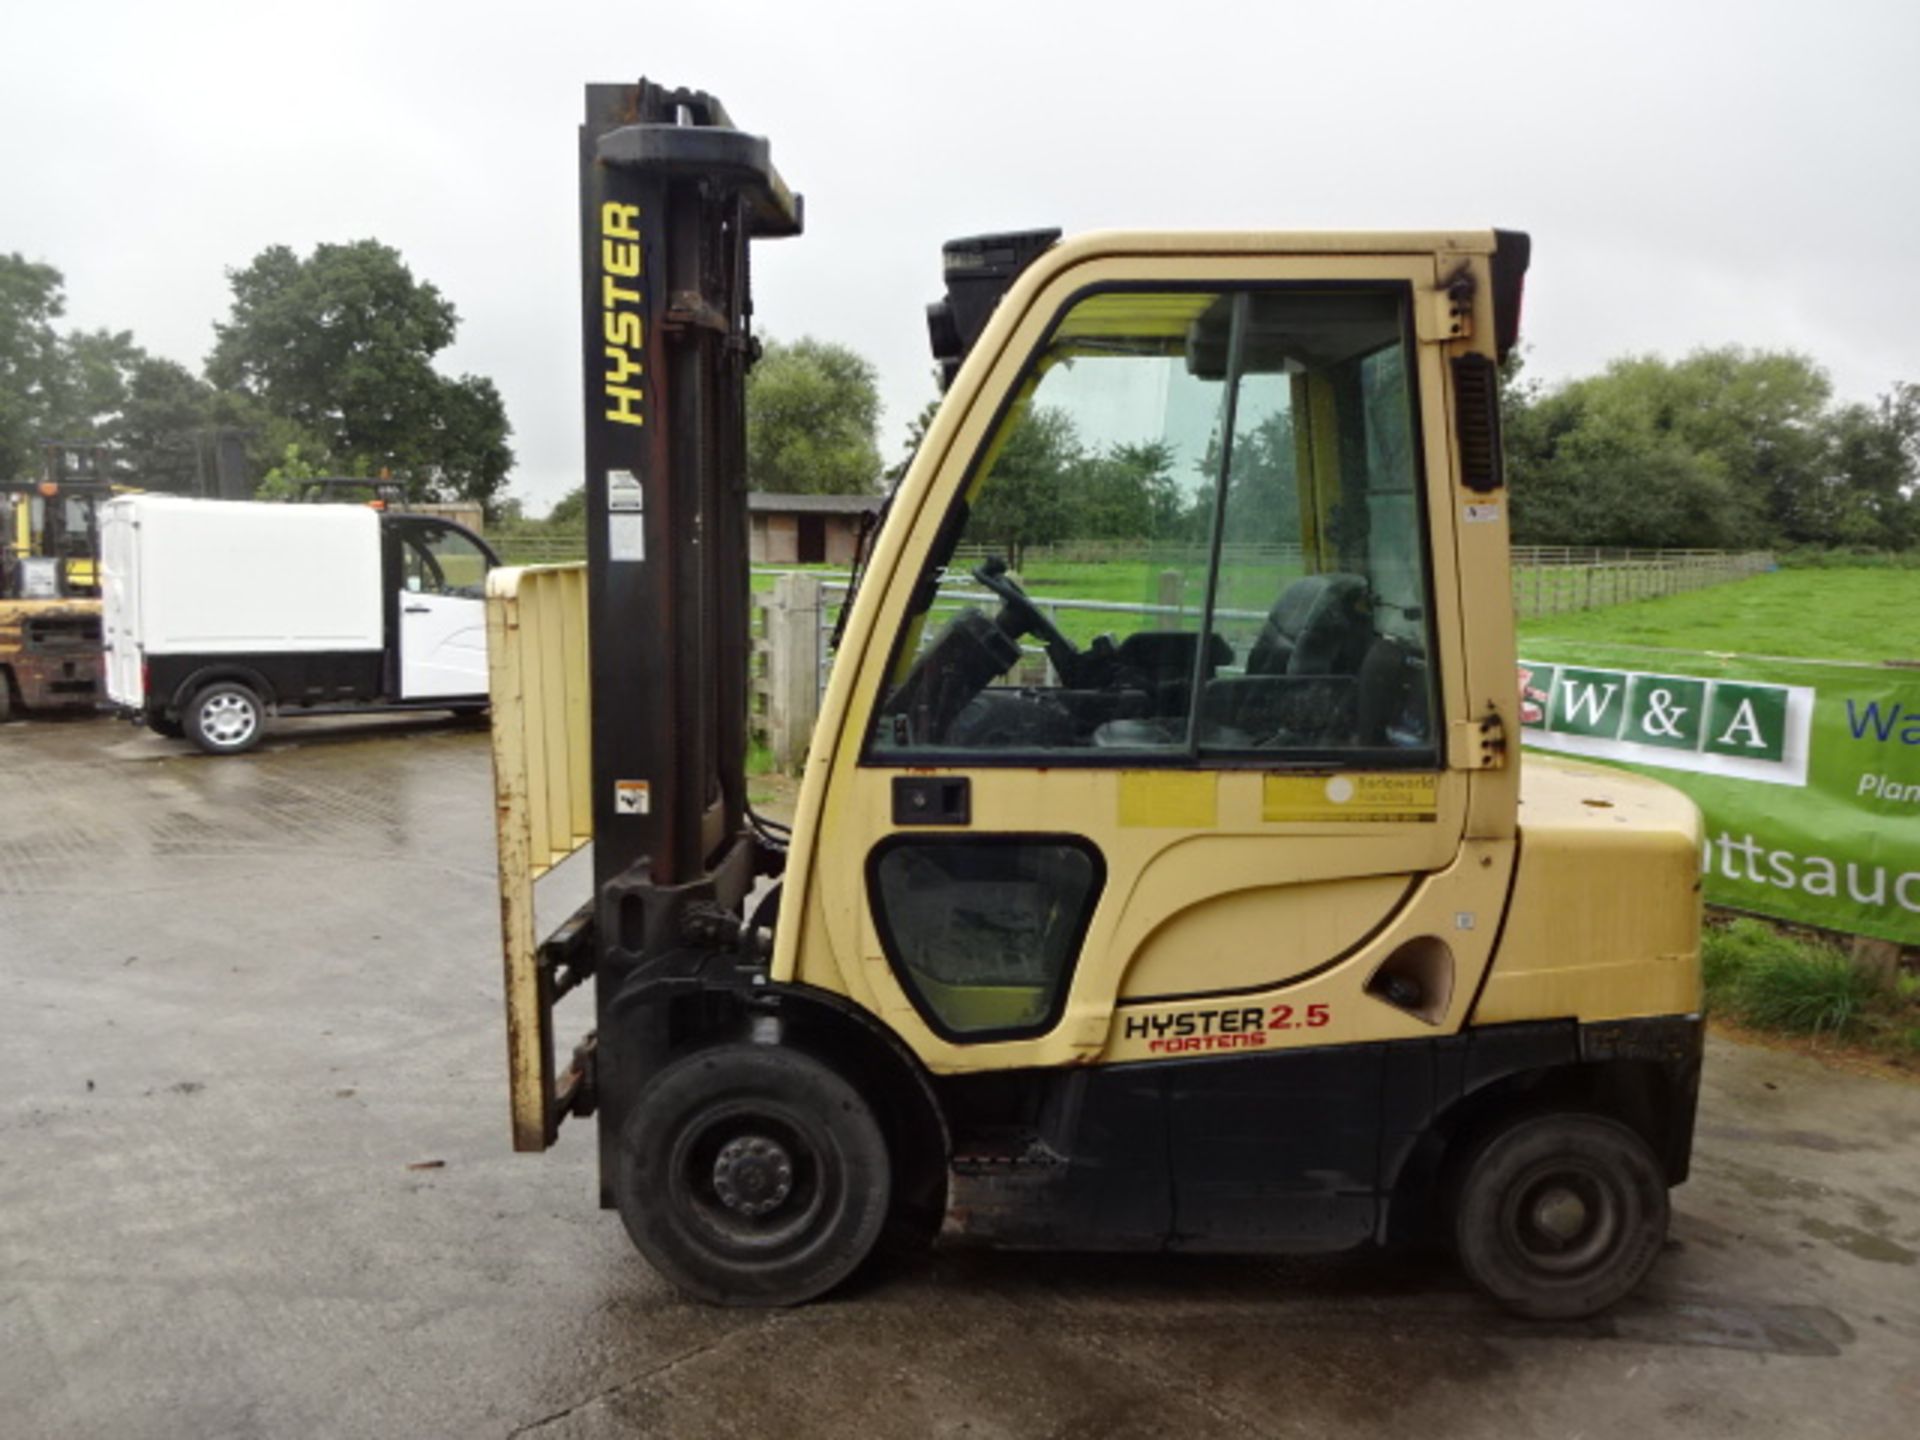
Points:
1692	173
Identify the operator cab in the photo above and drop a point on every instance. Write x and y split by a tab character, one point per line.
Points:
1249	453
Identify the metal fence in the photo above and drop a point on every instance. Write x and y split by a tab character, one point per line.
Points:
539	547
1560	579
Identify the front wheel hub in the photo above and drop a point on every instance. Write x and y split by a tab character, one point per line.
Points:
752	1175
1560	1214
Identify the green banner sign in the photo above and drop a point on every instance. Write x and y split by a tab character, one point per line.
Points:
1808	773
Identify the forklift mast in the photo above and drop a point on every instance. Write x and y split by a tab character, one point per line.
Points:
670	195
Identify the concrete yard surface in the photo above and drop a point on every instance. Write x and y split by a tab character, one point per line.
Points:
255	1181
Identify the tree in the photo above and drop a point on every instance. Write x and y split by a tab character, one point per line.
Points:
88	390
1725	448
1873	498
1126	494
1023	499
90	386
916	433
30	301
342	345
813	410
165	414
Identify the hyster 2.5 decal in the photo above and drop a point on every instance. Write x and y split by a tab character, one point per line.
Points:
1237	1027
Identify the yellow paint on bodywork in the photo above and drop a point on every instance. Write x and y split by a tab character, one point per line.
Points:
1605	923
1181	799
1295	928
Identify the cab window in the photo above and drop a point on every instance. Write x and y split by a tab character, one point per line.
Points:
1196	534
440	560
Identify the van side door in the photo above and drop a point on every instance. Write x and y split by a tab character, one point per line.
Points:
441	608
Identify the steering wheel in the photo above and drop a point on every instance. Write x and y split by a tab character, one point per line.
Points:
1022	617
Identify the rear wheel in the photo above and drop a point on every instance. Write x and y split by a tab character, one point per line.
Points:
6	696
1559	1216
226	718
753	1175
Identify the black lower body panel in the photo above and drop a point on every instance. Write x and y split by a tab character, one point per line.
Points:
289	679
1298	1151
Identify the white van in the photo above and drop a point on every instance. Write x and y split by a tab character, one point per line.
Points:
219	613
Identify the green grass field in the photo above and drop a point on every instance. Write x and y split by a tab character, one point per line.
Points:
1859	615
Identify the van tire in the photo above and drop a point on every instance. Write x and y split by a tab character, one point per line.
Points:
1558	1216
753	1175
226	718
6	695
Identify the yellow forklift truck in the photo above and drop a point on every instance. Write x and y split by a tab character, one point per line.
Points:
1221	920
50	655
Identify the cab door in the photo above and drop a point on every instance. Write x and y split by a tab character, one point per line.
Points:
1149	743
442	609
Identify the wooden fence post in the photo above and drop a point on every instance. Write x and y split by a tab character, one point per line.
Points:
1878	960
793	667
1171	585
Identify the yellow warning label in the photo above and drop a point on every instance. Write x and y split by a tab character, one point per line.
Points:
1170	799
1394	795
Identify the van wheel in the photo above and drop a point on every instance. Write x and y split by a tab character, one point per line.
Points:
226	718
753	1175
1559	1216
6	696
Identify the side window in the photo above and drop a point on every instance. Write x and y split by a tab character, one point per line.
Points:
1196	533
983	932
439	560
1322	595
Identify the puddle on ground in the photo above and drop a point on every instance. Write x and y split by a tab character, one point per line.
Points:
1855	1241
1820	1140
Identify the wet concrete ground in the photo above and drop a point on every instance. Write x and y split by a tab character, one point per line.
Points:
255	1181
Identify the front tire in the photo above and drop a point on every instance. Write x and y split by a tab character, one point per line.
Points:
226	718
753	1175
1559	1216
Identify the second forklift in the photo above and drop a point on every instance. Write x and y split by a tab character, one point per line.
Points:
1241	929
50	638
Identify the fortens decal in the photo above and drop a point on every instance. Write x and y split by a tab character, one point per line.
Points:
1232	1027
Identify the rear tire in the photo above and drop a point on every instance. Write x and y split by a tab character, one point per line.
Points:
226	718
1559	1216
6	696
753	1175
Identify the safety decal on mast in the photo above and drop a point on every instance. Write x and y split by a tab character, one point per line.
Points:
626	518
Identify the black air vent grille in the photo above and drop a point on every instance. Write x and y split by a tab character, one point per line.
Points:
1476	396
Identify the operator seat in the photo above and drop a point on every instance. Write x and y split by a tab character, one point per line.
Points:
1320	625
1298	685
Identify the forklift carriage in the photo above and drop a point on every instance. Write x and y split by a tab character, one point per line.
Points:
1240	930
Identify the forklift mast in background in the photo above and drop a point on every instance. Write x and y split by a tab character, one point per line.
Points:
670	195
